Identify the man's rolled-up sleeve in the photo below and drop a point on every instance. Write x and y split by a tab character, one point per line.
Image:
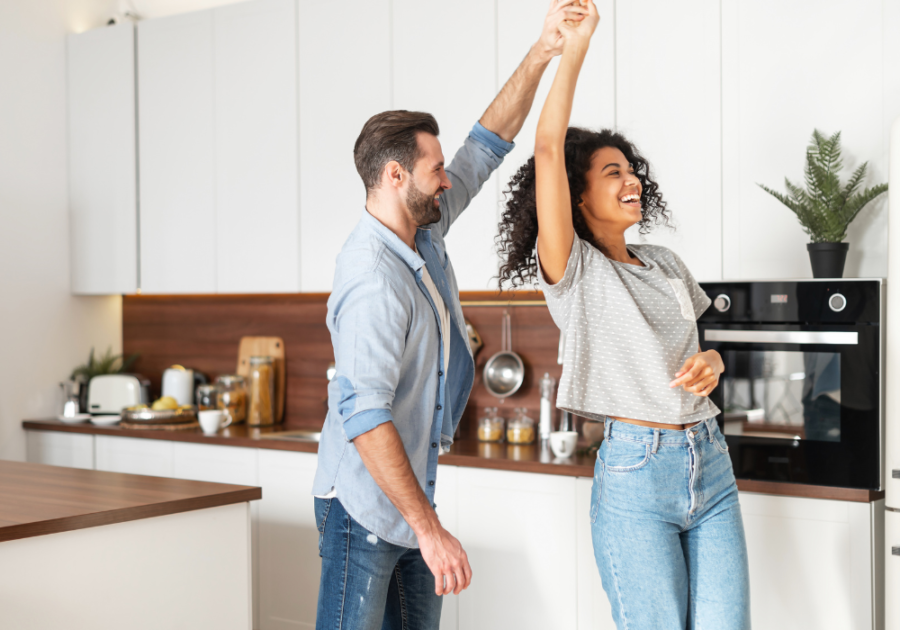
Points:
370	321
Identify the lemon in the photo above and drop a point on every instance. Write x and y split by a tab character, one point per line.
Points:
166	402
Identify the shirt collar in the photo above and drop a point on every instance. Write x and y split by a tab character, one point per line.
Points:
392	241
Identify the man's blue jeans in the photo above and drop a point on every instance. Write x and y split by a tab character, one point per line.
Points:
667	529
367	583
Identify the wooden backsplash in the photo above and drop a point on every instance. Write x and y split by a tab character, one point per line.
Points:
202	332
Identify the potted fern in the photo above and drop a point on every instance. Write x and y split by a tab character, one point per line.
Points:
825	208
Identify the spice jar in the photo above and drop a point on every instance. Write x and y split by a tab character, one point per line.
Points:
490	426
521	428
207	397
233	396
262	392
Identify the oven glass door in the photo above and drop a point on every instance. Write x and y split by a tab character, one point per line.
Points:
800	403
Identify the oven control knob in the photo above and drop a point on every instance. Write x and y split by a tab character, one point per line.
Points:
722	303
837	302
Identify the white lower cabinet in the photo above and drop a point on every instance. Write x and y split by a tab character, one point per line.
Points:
446	500
519	531
891	563
74	450
289	562
135	456
813	562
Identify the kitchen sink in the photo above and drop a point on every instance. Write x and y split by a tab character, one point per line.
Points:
300	435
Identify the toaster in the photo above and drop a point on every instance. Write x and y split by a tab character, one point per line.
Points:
110	393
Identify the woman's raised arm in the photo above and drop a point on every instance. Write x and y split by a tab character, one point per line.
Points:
554	206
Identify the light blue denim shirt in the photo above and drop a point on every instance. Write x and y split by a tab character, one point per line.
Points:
389	351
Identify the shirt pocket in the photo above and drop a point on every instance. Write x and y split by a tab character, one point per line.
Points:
684	299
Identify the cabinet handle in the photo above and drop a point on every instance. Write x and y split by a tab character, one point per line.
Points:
895	474
895	551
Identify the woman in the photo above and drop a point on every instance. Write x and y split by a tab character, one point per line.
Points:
666	523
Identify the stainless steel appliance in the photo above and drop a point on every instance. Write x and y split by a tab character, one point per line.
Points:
801	395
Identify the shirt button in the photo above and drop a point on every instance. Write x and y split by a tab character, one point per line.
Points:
440	372
430	483
434	445
438	407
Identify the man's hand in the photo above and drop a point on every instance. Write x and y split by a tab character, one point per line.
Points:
551	41
579	33
700	373
447	560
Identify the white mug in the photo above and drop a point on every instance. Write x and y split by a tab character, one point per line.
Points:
211	420
562	443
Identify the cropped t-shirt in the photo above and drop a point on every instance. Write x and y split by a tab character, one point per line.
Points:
628	330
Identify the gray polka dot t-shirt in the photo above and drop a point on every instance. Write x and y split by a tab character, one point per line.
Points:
628	330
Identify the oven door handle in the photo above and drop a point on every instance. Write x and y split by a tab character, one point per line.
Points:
823	338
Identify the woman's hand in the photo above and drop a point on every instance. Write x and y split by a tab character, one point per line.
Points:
561	11
579	33
700	373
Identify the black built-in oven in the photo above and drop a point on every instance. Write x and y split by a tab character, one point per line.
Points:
801	395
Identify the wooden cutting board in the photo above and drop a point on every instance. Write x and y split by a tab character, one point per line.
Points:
265	347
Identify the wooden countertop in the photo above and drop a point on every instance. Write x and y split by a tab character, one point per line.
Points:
469	453
36	499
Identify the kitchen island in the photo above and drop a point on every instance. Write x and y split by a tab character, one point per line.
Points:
116	550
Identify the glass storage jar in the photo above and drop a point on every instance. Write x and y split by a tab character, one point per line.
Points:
233	396
520	429
490	426
207	397
262	392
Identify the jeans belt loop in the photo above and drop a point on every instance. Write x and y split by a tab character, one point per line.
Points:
655	441
607	426
709	428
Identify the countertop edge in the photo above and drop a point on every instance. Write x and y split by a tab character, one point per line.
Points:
123	515
774	488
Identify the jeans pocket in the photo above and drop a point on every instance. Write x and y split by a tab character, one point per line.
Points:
624	456
596	490
719	440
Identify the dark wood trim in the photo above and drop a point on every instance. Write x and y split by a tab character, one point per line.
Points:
808	491
320	298
36	500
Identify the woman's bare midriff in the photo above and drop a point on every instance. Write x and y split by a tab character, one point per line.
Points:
656	425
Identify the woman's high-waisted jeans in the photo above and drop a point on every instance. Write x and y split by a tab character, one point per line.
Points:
667	529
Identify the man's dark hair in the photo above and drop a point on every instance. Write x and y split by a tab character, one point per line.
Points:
390	136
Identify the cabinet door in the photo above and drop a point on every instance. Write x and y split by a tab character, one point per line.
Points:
177	142
519	532
75	450
289	563
336	99
891	569
433	72
136	456
594	612
446	498
102	172
224	464
673	48
257	215
811	562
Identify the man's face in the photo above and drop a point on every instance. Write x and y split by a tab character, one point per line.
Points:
427	182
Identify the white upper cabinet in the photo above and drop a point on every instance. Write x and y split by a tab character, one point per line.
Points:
445	63
102	173
177	154
668	87
257	212
337	97
218	150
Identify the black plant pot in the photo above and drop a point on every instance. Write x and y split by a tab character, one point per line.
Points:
827	259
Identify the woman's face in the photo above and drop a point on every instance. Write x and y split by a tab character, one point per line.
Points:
612	198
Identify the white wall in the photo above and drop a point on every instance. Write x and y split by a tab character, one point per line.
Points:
44	331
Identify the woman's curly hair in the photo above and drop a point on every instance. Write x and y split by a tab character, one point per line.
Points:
519	226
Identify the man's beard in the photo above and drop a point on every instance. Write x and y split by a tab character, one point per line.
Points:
421	206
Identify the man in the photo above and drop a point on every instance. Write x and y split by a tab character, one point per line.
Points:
403	365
